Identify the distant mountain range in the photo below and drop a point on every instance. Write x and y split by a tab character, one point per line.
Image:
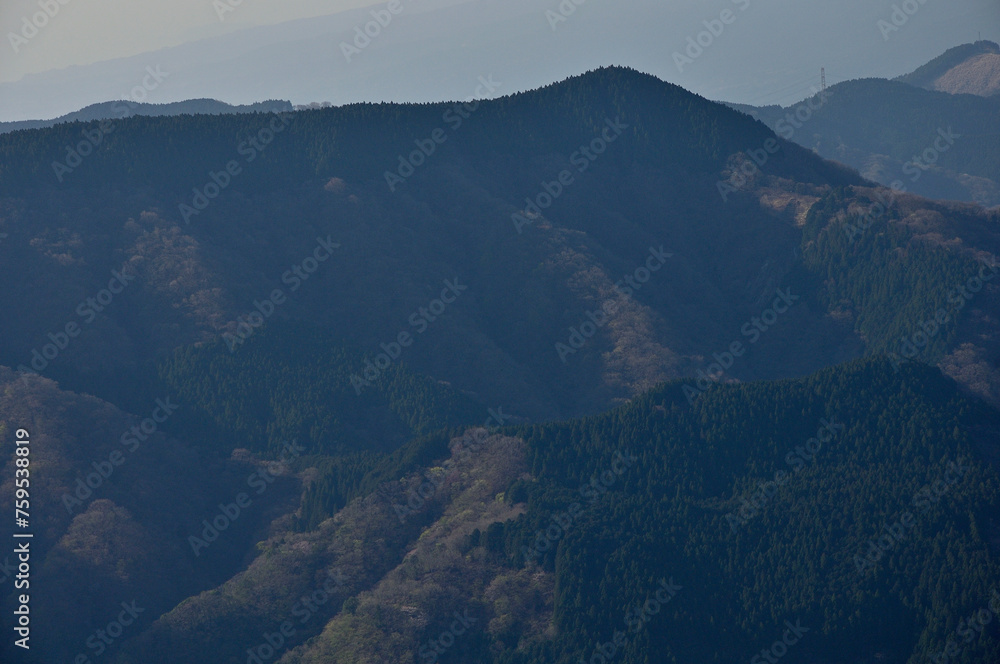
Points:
126	109
923	131
879	127
304	59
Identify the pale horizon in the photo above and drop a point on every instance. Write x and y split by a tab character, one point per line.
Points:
245	52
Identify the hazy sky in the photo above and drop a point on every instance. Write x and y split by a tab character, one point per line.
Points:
769	51
87	31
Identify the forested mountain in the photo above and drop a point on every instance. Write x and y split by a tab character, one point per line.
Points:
534	251
491	375
937	140
929	143
668	528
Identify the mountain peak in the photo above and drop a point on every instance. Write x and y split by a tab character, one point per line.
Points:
616	76
966	69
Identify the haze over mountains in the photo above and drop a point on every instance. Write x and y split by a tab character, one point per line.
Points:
592	369
938	143
128	108
516	41
884	130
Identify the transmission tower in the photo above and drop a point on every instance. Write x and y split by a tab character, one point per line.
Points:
822	77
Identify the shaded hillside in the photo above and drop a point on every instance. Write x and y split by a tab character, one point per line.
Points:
113	500
655	187
931	143
551	262
364	315
287	384
659	494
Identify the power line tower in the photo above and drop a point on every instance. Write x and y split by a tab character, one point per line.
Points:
822	78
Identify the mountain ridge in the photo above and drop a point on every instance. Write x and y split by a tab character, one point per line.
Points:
680	140
967	69
578	354
887	131
127	108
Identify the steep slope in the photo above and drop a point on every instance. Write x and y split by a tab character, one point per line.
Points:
762	502
113	500
523	286
931	143
378	276
674	531
127	512
913	277
404	565
967	69
550	261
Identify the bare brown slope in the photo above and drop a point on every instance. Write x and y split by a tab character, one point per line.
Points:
977	76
